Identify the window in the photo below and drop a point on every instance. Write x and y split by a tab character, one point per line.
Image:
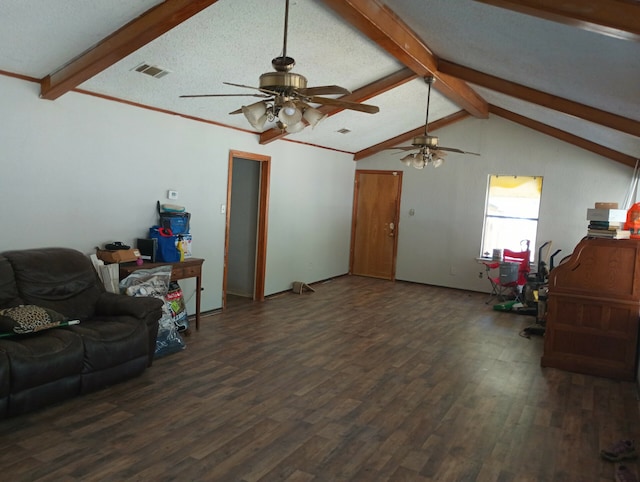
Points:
511	213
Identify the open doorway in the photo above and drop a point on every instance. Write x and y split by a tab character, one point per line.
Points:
246	228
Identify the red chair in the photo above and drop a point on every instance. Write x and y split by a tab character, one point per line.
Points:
512	274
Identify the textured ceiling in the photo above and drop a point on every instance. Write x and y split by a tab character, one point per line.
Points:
235	40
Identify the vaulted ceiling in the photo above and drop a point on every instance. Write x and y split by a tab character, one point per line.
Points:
568	69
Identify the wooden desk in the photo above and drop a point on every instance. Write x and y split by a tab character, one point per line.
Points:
593	309
189	268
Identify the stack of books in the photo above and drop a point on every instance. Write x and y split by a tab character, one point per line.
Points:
607	223
606	229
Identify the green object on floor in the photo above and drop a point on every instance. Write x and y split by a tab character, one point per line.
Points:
507	306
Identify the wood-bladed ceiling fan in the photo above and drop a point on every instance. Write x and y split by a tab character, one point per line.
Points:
287	97
427	149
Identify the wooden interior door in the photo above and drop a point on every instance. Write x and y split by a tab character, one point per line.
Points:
376	210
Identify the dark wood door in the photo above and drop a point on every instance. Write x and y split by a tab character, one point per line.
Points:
376	208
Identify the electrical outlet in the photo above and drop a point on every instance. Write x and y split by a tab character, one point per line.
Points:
172	195
223	208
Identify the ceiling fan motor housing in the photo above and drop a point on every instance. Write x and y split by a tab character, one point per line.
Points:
425	141
282	81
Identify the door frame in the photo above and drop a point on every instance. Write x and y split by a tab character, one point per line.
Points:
263	214
356	191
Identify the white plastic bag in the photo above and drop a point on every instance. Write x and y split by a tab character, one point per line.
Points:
155	282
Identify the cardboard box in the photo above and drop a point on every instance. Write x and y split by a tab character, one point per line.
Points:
611	205
118	255
611	215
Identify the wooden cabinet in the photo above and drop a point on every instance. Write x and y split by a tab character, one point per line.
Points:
593	309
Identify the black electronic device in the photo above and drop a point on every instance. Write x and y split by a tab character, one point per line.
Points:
147	248
116	245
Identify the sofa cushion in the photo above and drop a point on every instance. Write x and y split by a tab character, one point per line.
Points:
108	343
114	349
43	357
24	319
58	278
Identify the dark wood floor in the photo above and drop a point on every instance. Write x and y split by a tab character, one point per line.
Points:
363	380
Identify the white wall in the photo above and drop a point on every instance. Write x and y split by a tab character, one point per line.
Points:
440	243
82	171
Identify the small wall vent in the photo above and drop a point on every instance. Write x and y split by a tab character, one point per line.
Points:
152	70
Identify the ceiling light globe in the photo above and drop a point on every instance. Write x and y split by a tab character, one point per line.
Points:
290	114
313	116
256	114
419	162
408	160
297	127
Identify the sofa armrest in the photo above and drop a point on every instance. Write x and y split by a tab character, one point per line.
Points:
146	309
112	304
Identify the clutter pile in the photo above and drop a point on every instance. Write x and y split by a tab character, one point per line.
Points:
156	283
171	234
607	221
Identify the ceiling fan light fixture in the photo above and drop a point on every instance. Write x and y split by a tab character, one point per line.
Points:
419	162
256	114
297	127
289	108
408	160
437	162
313	116
289	113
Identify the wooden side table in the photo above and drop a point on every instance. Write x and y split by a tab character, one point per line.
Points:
189	268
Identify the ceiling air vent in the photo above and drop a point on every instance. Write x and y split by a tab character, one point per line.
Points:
343	131
152	70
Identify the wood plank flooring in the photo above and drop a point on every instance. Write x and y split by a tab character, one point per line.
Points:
363	380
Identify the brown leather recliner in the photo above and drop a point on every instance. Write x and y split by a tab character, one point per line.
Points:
115	339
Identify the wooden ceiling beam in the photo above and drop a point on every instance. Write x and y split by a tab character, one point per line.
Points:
549	101
615	18
386	29
409	135
361	95
564	136
135	34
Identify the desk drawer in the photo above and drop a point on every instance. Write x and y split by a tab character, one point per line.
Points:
180	272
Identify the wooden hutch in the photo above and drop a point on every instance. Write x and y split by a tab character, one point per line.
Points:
593	310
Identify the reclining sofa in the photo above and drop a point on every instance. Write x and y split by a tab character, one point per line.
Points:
113	341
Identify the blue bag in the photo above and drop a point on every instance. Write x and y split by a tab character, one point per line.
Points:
167	250
177	222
